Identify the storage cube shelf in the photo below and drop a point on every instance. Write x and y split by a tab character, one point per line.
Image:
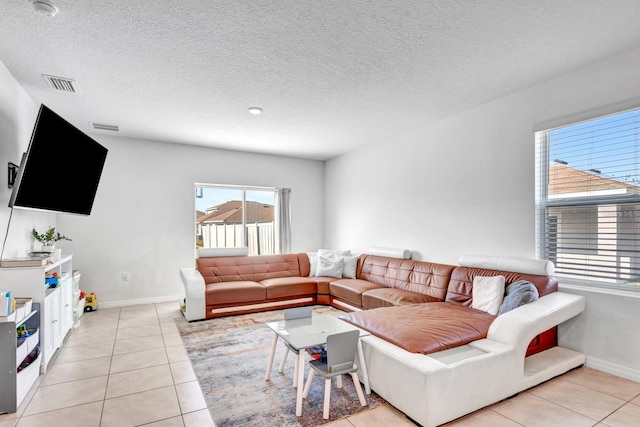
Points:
56	304
14	384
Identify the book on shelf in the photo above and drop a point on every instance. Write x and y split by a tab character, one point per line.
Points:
23	262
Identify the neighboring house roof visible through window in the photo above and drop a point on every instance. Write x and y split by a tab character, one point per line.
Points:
231	213
565	181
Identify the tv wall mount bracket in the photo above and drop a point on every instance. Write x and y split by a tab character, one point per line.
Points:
12	172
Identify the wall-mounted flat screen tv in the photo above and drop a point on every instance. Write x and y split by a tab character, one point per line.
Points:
61	169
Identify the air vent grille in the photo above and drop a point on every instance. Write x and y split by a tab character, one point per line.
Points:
102	126
62	84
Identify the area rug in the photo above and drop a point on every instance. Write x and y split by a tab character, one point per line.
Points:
229	357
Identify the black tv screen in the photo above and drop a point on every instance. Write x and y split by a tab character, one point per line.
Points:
61	169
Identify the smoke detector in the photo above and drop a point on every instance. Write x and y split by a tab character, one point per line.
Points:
45	7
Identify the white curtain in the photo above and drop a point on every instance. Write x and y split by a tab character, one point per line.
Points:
283	220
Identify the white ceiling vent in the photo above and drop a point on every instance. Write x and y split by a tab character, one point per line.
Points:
102	126
61	83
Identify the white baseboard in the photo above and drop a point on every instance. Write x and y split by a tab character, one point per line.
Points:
613	369
141	301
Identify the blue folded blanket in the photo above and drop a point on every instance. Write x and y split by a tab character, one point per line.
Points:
518	293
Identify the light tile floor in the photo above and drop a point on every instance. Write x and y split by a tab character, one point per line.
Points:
127	367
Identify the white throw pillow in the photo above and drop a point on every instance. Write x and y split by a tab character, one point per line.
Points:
349	266
313	261
332	253
488	293
329	267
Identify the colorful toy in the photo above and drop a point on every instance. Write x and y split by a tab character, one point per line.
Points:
90	302
52	280
23	332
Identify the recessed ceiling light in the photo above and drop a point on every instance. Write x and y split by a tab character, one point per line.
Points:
45	7
255	110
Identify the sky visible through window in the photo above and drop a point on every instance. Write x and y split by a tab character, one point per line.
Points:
214	196
608	146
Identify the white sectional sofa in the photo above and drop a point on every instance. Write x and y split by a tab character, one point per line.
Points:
469	359
436	388
433	389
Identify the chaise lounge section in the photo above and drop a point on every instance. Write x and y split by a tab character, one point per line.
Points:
439	361
435	388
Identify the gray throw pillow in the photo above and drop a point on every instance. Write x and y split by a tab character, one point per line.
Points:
518	293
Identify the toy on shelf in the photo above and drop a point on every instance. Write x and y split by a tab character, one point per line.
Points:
51	280
90	301
23	332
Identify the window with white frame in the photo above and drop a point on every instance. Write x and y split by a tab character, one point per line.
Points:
236	216
588	199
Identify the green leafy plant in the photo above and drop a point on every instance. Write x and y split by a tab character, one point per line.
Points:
50	237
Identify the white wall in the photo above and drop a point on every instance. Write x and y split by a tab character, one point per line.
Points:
17	115
143	217
615	352
466	185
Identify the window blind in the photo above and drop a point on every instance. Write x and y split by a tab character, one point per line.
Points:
588	198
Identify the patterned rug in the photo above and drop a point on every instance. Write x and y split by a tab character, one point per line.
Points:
229	357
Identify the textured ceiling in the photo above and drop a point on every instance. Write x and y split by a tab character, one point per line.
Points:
331	76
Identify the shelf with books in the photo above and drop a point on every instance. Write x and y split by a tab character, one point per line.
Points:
24	262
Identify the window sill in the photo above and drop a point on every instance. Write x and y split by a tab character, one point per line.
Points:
628	291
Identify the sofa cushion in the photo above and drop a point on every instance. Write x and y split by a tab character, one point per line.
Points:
424	328
304	264
487	293
322	284
252	268
389	272
283	287
313	263
349	267
417	276
430	278
517	294
350	290
234	292
460	287
329	266
388	297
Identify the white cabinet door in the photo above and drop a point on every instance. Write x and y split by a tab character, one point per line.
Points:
51	324
66	307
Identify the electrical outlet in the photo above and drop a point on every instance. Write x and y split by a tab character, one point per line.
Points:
125	276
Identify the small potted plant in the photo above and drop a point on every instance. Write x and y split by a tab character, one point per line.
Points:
48	239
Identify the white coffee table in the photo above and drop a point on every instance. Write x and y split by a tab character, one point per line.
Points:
301	334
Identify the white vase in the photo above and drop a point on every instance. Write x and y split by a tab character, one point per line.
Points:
48	249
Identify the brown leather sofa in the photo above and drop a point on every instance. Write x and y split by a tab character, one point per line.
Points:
245	284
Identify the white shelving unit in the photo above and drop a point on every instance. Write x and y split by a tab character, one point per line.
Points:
14	384
56	304
78	303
